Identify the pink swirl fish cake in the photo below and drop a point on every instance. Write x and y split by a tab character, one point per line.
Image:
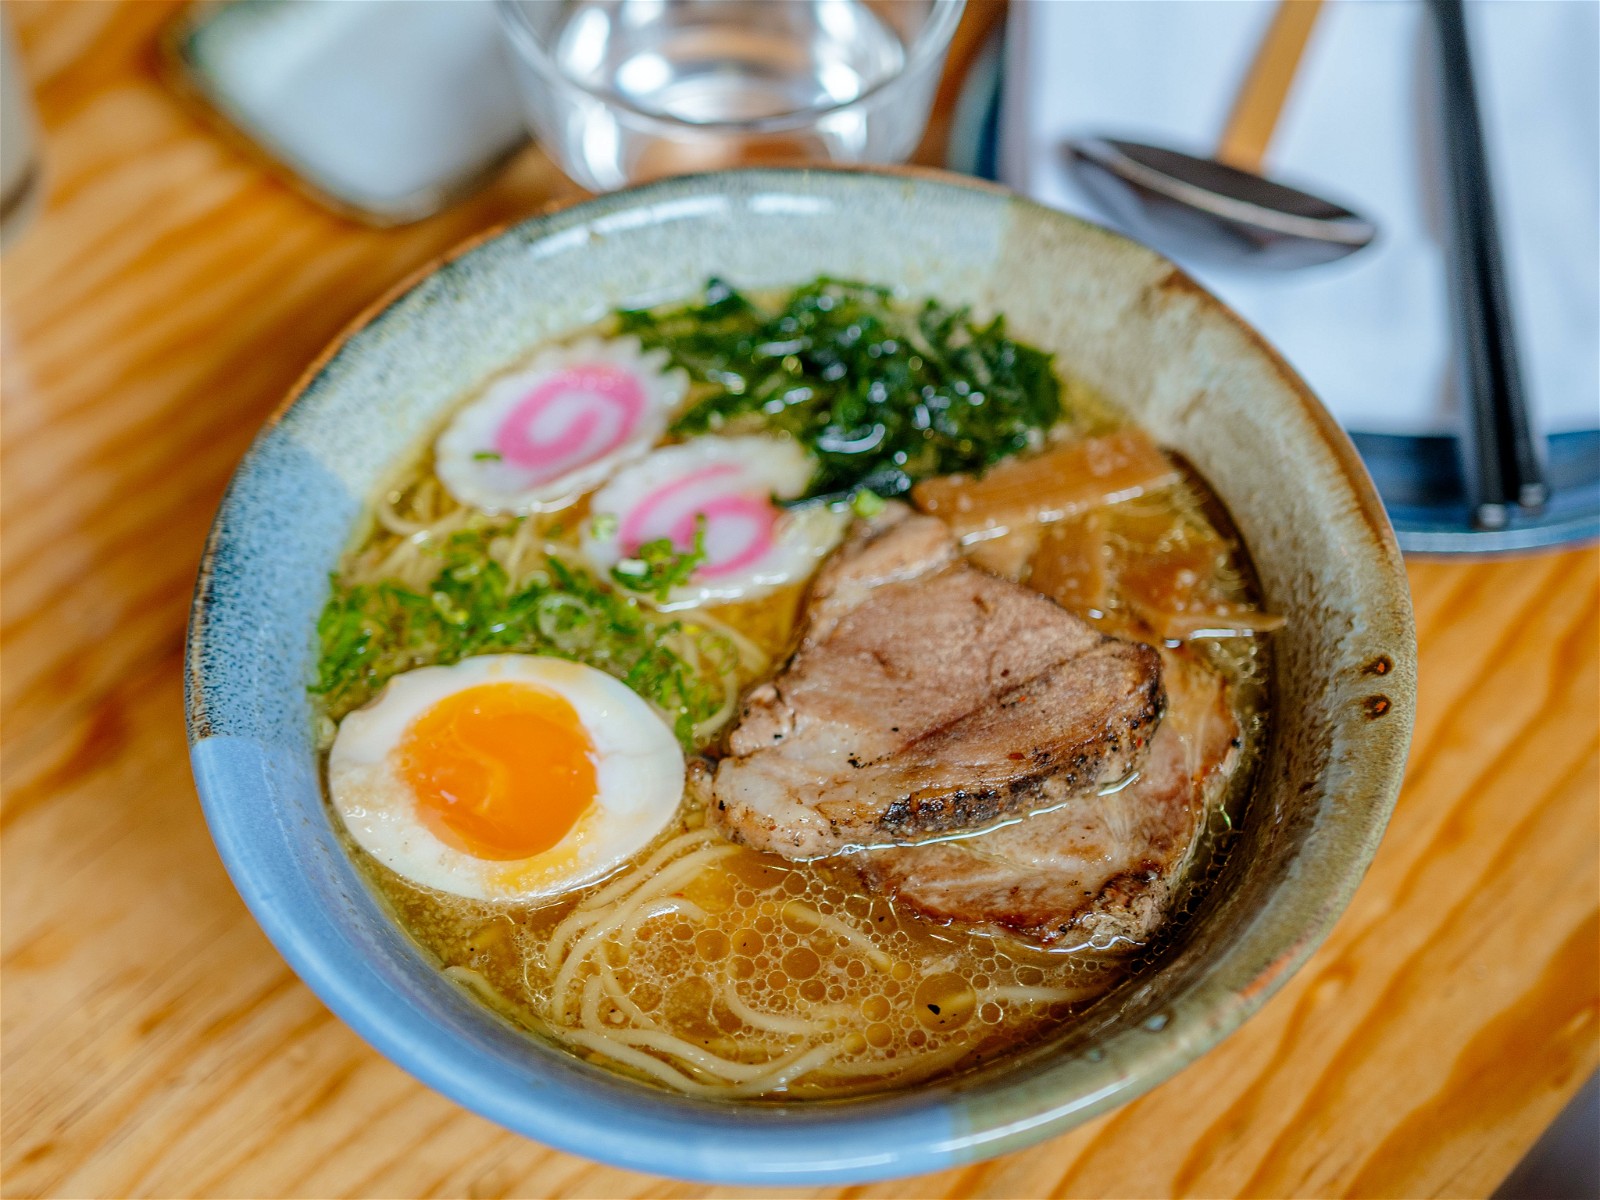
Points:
752	545
540	437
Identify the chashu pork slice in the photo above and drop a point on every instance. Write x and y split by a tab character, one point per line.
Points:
928	697
1102	868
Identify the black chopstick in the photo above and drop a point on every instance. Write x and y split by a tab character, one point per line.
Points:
1501	458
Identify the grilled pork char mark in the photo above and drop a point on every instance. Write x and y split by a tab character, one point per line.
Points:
1099	869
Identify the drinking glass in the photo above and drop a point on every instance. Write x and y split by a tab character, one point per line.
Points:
620	91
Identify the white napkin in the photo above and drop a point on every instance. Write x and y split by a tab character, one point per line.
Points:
1371	333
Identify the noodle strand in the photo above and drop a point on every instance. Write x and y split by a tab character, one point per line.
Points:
756	1019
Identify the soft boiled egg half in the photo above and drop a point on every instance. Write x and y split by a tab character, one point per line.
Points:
506	777
728	486
539	437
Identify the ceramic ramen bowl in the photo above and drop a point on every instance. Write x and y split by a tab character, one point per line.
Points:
1119	317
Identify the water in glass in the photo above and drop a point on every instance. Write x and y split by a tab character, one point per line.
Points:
630	89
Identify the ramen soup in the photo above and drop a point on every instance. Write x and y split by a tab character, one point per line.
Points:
793	695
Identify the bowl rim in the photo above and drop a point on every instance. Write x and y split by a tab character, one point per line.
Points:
878	1137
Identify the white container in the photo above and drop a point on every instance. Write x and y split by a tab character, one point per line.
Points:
19	141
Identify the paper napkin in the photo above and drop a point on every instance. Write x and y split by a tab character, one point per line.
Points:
1371	333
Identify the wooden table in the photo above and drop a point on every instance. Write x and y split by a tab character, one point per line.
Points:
154	1043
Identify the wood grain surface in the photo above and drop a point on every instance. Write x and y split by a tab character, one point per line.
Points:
154	1044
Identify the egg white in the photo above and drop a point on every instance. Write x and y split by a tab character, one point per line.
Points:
639	772
762	466
461	453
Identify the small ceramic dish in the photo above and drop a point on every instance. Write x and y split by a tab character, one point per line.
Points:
385	111
1119	317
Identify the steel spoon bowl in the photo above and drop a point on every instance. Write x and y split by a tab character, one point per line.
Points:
1201	209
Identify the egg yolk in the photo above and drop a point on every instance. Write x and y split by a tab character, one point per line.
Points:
500	771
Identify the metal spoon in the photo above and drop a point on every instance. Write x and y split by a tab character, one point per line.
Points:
1221	209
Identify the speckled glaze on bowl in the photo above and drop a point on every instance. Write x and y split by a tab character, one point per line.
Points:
1120	317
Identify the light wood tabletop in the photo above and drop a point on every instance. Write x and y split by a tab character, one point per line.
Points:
155	1044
